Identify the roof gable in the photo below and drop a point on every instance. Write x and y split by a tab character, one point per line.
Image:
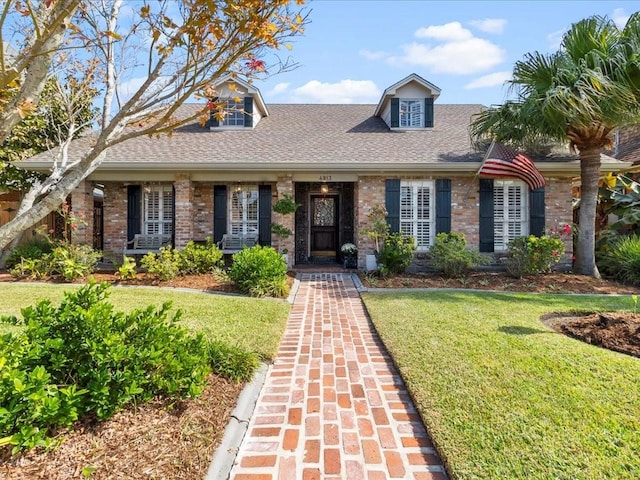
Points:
392	91
222	85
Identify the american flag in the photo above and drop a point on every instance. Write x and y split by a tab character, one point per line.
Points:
504	161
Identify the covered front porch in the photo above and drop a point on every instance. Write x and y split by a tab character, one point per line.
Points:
324	221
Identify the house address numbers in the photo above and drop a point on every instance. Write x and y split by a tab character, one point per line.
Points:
325	177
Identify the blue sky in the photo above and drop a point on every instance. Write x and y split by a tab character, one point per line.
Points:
353	49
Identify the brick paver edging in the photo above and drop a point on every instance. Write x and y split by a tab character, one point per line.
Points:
333	406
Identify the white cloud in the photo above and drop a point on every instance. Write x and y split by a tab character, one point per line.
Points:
555	39
460	58
127	88
449	32
344	91
620	17
370	55
279	88
486	81
455	50
490	25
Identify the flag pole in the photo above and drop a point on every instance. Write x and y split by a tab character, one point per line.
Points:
486	155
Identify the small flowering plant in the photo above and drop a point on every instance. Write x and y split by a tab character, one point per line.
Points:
349	249
534	255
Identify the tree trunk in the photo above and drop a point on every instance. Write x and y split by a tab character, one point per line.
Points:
585	263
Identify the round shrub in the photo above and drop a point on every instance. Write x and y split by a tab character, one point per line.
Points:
396	253
200	259
533	255
259	271
27	251
622	259
450	257
85	358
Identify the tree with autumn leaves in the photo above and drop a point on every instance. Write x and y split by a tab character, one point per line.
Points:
181	47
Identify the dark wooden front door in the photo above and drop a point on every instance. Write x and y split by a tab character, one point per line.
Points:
324	226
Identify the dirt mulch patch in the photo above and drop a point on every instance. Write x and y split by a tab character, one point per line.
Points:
617	331
161	439
500	281
204	283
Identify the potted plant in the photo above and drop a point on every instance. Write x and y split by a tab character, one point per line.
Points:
284	206
350	255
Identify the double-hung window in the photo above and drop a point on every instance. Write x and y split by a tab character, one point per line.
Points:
233	113
158	210
510	212
243	213
417	211
411	113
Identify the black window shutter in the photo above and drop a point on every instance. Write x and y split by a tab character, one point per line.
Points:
264	214
392	203
428	112
248	112
134	205
536	212
486	215
219	212
213	121
395	112
443	205
173	215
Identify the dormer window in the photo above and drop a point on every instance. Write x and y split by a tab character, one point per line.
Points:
411	113
238	113
233	114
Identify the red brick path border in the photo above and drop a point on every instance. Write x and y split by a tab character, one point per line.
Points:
333	406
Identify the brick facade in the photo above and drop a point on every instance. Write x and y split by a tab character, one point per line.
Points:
203	211
284	187
194	211
184	210
82	207
115	220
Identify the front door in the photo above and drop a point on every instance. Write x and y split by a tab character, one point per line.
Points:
324	231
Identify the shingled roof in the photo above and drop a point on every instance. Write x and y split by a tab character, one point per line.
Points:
303	137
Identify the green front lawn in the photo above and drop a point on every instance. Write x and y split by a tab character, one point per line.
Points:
503	396
253	324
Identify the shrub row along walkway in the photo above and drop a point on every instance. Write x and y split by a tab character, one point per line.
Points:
333	405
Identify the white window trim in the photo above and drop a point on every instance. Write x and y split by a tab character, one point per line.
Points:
502	246
414	221
420	102
243	225
165	213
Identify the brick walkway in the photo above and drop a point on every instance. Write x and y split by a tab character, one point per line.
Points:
333	406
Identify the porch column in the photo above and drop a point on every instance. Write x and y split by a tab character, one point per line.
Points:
82	207
369	193
183	214
285	187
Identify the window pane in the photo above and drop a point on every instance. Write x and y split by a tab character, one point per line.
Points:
234	113
423	203
411	113
406	203
510	212
416	218
243	210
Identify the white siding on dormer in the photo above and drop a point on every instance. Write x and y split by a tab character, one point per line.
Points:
413	90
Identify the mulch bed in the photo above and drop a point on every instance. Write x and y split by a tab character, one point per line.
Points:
617	331
161	439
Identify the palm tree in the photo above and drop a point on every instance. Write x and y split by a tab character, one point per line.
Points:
580	95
